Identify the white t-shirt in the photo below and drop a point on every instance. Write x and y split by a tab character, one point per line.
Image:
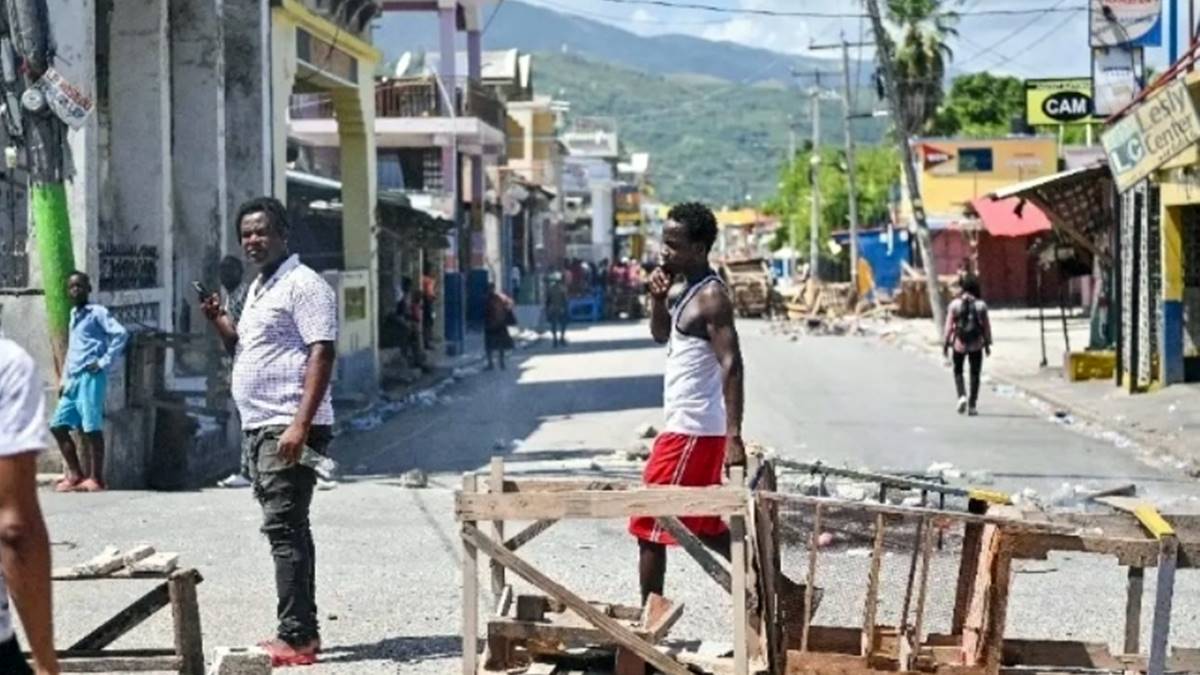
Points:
22	428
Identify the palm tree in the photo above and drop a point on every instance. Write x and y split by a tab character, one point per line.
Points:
924	28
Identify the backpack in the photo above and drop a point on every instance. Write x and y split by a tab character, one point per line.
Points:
967	326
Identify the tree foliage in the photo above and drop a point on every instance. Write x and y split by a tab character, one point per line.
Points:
923	29
877	170
980	104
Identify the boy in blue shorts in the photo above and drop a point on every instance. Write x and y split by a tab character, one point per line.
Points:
96	340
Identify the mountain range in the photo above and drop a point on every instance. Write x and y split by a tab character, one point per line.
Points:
714	116
532	28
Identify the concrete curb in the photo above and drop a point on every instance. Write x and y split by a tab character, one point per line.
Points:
1143	439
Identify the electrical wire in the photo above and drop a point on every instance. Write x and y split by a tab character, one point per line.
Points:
492	18
675	4
1008	36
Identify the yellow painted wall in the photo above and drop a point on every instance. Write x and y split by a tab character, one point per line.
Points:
946	190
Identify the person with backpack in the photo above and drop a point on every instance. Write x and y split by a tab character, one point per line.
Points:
969	334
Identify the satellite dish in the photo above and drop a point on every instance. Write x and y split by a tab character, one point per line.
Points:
403	64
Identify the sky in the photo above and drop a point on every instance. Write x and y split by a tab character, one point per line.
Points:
1033	44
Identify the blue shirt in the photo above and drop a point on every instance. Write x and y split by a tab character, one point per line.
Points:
96	337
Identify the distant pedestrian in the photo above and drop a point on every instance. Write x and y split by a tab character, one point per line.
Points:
702	386
283	362
96	341
428	300
556	309
514	279
969	335
499	316
24	546
232	275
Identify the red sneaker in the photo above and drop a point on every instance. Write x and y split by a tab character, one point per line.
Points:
284	655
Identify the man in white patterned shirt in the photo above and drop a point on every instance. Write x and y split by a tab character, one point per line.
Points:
24	544
283	346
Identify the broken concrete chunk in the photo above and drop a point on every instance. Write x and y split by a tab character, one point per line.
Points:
647	431
133	555
240	661
107	562
638	451
159	563
414	479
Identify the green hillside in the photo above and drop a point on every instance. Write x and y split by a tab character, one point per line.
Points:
710	140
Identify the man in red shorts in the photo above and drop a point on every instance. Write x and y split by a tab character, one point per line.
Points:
702	392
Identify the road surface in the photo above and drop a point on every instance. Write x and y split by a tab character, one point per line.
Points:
388	582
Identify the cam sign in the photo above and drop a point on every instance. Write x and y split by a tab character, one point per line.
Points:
1058	101
1160	128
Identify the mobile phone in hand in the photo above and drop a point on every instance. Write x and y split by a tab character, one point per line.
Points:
201	290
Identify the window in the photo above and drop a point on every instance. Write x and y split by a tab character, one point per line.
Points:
975	160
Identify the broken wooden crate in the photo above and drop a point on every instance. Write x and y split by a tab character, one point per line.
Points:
993	537
545	502
177	589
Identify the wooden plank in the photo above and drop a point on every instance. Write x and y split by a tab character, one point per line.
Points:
871	610
741	618
125	620
497	479
1133	609
811	583
505	601
968	566
923	593
621	635
974	626
1145	512
556	633
918	538
660	626
691	543
769	573
528	534
649	502
1160	632
997	616
564	485
120	664
1010	523
470	590
185	617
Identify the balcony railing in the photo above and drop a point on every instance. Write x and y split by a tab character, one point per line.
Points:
413	98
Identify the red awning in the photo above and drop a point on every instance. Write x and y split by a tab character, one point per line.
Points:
1001	218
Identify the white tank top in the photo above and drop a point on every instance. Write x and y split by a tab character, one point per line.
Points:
693	385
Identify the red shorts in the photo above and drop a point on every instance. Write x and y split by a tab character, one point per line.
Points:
679	459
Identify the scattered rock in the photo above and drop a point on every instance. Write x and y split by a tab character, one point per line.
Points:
824	540
637	452
414	479
647	431
240	661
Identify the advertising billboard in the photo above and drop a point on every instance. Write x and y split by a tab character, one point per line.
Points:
1159	128
1125	22
1058	101
1116	78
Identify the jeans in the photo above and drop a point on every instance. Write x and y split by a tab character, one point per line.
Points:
285	492
12	662
976	360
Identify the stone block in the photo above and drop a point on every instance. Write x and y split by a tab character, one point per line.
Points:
240	661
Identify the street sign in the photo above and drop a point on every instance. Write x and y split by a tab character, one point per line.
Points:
67	102
1116	78
1158	129
1125	22
1061	101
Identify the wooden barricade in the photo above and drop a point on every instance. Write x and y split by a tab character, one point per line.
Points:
177	590
545	502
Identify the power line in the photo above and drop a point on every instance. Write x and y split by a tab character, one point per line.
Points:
1017	31
675	4
492	18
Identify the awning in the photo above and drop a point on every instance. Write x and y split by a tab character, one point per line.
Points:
1012	217
1078	203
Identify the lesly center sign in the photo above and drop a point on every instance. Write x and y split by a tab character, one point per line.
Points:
1157	130
1061	101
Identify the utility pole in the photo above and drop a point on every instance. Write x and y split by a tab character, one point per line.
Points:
25	58
847	102
884	51
814	233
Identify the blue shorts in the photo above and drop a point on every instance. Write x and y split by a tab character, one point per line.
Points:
82	403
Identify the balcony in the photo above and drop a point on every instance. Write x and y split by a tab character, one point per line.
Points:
411	113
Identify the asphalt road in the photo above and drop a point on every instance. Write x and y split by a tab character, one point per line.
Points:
388	556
